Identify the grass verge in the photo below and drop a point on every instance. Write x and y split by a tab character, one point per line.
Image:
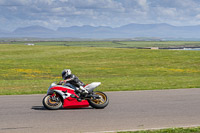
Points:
169	130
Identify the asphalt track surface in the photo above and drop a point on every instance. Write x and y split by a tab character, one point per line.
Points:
130	110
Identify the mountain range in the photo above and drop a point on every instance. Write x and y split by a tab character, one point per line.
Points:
132	30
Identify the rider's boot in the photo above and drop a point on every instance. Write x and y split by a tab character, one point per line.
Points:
83	90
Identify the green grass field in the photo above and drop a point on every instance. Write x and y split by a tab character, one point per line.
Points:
121	44
31	69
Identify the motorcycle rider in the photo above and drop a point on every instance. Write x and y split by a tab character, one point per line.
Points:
72	81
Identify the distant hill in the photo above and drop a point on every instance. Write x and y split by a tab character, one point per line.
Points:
3	33
132	30
33	30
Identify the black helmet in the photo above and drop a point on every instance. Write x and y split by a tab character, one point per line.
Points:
65	73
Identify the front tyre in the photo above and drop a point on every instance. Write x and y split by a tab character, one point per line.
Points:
100	103
52	103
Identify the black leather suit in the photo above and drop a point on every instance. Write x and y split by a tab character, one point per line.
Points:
74	80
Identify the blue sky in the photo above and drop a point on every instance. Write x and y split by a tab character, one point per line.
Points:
114	13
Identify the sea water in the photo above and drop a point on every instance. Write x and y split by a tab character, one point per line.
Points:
191	49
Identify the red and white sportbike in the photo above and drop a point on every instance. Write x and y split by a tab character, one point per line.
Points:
59	96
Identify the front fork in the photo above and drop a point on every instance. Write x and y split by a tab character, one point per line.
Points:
54	97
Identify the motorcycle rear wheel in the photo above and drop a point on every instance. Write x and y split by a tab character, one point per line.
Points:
99	103
52	104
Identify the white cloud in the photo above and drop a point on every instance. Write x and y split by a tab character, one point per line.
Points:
197	16
167	12
143	4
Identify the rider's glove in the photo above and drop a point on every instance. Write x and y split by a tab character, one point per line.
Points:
60	83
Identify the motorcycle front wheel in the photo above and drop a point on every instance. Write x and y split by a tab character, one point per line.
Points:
52	104
99	103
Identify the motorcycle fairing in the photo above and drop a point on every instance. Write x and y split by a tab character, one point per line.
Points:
68	101
75	104
92	86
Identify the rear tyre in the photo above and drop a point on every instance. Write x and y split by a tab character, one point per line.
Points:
51	104
99	103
